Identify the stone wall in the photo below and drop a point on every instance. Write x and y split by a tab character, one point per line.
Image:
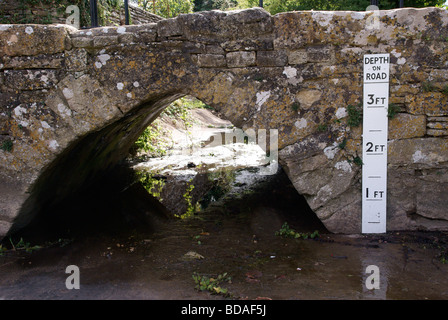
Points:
73	102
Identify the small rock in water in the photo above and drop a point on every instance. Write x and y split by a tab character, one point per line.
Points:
191	255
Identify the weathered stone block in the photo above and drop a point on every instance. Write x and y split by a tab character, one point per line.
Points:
241	59
272	58
429	103
297	57
30	40
42	61
214	49
211	60
213	26
191	47
148	34
127	38
31	79
405	90
437	126
437	119
169	28
439	74
318	53
406	126
432	200
423	152
248	45
172	44
437	132
306	98
104	41
76	60
82	42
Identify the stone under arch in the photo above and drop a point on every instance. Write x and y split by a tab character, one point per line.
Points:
297	72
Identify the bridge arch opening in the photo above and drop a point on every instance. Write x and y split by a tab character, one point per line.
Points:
93	186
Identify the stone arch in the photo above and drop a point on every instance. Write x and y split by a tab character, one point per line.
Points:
296	72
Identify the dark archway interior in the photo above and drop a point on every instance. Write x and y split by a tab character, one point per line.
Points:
89	189
84	164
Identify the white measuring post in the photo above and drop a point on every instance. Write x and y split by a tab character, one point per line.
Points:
374	136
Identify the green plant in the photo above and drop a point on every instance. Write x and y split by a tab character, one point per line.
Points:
212	285
23	245
354	115
428	87
197	238
342	144
7	145
392	110
357	160
152	140
322	127
152	184
2	250
295	106
286	232
191	207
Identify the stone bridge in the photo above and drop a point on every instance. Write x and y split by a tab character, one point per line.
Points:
73	102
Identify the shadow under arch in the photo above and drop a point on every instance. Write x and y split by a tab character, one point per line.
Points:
85	169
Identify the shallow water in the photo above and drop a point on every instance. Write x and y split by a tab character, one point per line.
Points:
139	265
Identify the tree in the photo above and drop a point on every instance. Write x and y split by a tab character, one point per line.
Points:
167	8
206	5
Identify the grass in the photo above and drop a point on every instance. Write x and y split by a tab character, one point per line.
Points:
286	232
